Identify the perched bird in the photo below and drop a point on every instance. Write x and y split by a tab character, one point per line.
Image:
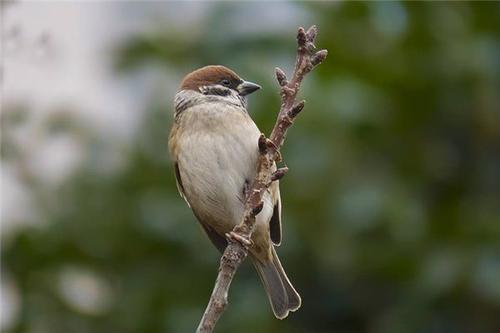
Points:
214	146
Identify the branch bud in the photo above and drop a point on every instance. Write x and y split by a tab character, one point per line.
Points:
270	144
310	47
319	57
278	174
281	77
311	33
295	110
301	37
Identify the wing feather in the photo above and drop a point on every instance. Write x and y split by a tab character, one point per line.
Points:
219	241
275	222
178	180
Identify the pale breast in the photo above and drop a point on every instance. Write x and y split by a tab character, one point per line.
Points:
217	153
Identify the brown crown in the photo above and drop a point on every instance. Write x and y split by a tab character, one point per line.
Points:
209	75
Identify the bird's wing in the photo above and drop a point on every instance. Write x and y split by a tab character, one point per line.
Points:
172	146
219	241
275	222
178	180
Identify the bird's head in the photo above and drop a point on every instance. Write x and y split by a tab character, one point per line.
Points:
217	80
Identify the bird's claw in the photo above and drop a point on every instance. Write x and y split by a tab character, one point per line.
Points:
238	238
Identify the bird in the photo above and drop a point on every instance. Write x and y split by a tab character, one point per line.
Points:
214	147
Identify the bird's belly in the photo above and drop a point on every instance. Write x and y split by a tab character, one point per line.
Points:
215	164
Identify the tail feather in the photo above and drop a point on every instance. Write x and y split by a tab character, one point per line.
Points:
282	295
294	300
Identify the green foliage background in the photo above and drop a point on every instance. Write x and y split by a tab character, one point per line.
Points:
391	205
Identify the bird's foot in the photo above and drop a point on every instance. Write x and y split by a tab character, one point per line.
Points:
238	238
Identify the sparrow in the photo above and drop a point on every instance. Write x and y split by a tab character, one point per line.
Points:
214	146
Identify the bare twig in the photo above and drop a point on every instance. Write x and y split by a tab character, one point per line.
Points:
239	238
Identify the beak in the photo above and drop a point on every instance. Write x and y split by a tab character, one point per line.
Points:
246	88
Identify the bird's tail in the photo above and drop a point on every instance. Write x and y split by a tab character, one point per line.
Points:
282	295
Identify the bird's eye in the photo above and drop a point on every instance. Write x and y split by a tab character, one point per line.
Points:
225	82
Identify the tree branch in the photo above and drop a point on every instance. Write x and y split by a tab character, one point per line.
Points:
239	238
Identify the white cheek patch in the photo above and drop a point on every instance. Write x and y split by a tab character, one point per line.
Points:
186	99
